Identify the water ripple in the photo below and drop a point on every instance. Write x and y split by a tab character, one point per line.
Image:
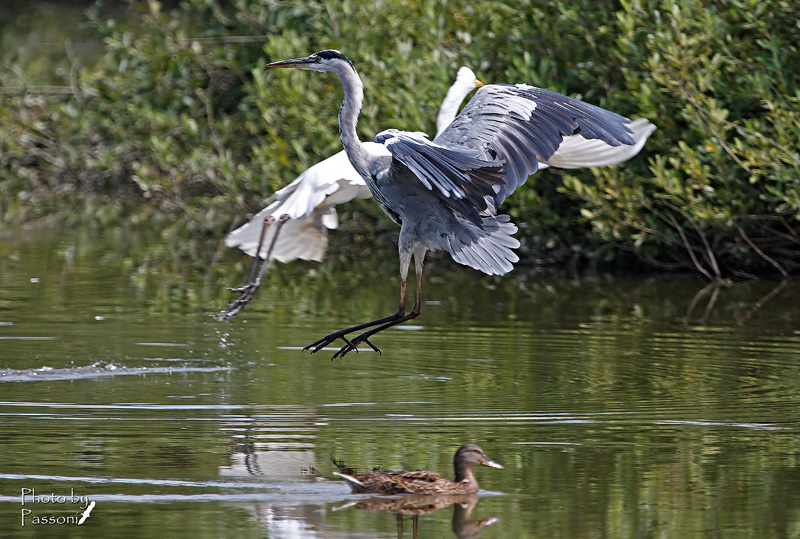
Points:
93	371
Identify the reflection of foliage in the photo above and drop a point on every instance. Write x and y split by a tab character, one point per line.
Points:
181	125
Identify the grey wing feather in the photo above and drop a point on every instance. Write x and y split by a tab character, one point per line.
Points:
521	125
460	176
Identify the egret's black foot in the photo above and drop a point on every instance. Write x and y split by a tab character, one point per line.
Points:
253	282
241	289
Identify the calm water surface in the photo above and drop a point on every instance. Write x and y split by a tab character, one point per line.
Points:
620	407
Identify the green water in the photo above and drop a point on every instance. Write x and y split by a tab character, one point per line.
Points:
620	407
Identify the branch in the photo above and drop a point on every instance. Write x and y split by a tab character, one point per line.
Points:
709	253
690	249
761	253
760	303
756	134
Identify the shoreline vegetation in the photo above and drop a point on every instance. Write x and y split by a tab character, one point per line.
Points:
178	124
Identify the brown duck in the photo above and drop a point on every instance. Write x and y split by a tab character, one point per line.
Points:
422	481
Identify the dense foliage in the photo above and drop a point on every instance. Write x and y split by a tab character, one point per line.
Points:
180	122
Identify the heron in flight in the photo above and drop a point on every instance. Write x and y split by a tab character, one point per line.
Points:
304	210
444	193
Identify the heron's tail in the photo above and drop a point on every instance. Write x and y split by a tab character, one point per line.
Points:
487	247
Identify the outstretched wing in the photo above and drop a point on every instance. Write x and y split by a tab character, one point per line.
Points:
331	177
521	125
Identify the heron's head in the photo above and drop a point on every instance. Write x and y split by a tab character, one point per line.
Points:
323	61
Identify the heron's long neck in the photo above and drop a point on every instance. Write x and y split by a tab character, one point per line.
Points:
348	119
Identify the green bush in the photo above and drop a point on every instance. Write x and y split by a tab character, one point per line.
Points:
722	82
180	123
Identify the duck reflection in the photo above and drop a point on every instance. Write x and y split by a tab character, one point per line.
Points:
424	504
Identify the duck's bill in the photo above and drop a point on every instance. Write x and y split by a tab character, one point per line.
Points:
305	62
491	464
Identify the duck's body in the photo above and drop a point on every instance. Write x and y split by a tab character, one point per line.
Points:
423	481
407	482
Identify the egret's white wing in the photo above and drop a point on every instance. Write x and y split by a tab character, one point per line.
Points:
303	237
331	181
314	185
578	152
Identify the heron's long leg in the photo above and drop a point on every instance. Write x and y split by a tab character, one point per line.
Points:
393	321
249	290
383	323
341	334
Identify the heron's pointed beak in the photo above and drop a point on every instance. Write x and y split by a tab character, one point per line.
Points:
491	464
306	62
478	83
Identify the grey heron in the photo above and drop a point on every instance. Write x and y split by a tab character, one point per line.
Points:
444	193
310	199
303	210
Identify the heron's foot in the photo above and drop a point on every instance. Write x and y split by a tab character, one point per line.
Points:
329	339
350	346
353	346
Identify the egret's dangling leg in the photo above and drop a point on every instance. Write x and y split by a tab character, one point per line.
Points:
264	226
249	289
